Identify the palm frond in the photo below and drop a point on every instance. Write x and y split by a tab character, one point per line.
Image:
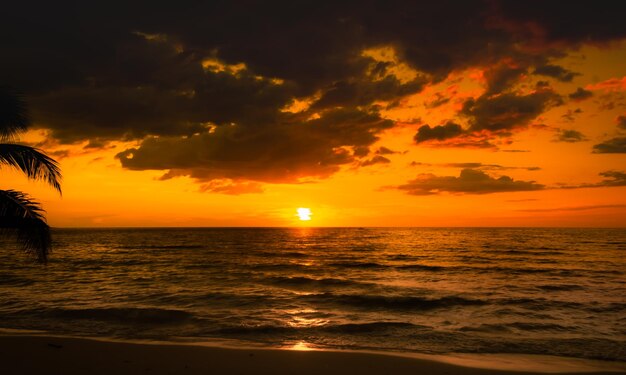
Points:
34	163
14	116
21	215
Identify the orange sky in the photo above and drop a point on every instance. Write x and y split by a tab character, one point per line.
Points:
552	176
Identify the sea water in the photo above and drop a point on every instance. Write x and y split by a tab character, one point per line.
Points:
425	290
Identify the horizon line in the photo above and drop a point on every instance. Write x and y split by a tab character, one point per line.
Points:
338	227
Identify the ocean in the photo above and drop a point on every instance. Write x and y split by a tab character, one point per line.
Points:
423	290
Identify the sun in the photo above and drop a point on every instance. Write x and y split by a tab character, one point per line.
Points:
304	213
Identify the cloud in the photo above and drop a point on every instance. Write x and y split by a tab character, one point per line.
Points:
570	114
470	181
491	115
611	179
575	208
615	145
580	94
509	111
365	92
612	84
549	23
203	86
501	77
438	100
287	152
231	188
483	166
113	113
570	136
375	160
555	71
473	165
438	133
385	151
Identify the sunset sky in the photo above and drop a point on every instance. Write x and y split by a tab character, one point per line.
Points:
369	113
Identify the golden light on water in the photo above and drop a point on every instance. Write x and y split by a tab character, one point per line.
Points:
304	213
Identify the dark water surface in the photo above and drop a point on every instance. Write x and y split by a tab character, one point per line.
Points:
534	291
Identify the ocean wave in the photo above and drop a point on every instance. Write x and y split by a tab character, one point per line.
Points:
522	326
306	281
160	247
124	315
369	327
562	287
534	326
350	328
422	267
281	254
392	302
539	304
527	252
11	280
366	265
611	307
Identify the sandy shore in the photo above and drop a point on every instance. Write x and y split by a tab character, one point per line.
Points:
66	356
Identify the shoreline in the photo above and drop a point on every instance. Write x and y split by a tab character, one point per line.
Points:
34	353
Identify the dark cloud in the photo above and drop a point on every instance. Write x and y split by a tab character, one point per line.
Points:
303	148
470	181
375	160
473	165
615	145
575	208
386	151
571	114
553	22
502	77
580	94
491	115
109	71
509	111
555	71
112	113
360	151
438	133
485	166
611	179
570	136
437	101
465	165
366	92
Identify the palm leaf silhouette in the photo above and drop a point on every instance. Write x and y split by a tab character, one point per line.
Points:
34	163
14	117
19	214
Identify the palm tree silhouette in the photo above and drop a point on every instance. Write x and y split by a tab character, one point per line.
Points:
20	215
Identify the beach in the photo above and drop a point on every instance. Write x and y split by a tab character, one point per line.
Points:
54	355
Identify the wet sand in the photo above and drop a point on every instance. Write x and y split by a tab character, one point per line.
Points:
53	355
